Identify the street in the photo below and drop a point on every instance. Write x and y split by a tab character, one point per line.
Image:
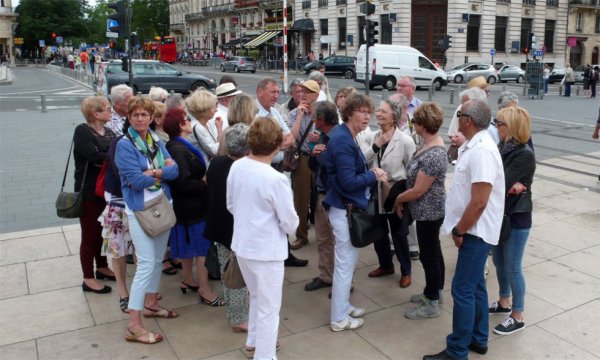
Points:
34	144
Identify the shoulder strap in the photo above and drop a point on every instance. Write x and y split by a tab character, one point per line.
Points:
299	146
62	187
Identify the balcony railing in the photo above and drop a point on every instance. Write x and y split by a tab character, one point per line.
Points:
323	3
218	9
341	2
305	4
552	3
242	4
178	27
529	2
194	16
503	1
593	3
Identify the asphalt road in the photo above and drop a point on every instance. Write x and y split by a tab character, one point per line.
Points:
34	145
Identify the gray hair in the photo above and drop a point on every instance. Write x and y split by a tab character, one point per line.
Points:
411	80
507	99
327	111
400	99
236	139
174	101
480	112
157	93
396	110
320	78
119	92
472	94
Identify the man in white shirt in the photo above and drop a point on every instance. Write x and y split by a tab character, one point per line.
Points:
474	211
119	96
225	94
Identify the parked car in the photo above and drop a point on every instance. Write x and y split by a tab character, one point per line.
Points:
147	73
334	65
556	75
465	72
239	63
511	73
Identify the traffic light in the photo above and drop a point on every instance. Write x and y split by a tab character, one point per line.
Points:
446	42
531	42
120	17
372	32
525	50
367	8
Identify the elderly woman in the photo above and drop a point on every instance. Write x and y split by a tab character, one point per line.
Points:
242	109
202	105
144	166
157	120
90	147
349	182
157	93
219	221
425	176
190	196
260	199
514	128
324	94
391	150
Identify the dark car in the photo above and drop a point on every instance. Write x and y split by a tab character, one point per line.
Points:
239	63
148	73
556	75
334	65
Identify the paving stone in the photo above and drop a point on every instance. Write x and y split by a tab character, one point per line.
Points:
14	281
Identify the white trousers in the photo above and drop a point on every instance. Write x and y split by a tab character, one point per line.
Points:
346	258
150	253
264	280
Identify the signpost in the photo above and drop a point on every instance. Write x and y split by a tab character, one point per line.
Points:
492	54
111	23
59	39
111	34
42	43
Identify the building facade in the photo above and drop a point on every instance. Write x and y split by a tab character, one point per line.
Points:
479	28
8	20
583	33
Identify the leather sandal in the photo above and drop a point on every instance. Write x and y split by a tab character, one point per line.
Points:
216	302
160	313
152	338
124	304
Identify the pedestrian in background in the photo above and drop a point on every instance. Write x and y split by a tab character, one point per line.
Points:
569	79
546	76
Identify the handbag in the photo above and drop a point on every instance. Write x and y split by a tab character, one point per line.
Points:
366	226
232	275
99	190
157	217
504	229
69	205
291	155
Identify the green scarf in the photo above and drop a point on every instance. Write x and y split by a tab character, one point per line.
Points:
151	149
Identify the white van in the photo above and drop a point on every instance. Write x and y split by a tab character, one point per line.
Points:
388	63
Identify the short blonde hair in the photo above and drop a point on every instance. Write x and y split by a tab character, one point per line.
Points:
200	101
264	136
430	116
157	93
92	104
159	109
518	123
140	102
242	109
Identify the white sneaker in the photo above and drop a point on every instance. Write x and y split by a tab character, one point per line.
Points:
357	312
348	323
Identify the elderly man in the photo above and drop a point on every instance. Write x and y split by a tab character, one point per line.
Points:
267	95
300	123
292	103
474	211
226	92
407	86
119	96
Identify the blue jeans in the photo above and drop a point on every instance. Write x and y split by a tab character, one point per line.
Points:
470	318
567	89
508	257
546	85
399	237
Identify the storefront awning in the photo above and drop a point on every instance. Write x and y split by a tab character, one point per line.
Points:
261	39
303	25
236	43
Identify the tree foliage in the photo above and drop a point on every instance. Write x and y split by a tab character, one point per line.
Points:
150	18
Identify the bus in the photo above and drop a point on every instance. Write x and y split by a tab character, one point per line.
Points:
167	50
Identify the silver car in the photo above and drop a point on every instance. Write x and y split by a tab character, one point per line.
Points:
511	73
465	72
239	63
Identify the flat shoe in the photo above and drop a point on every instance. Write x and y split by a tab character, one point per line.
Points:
381	272
161	313
153	338
217	302
104	290
405	281
249	351
101	276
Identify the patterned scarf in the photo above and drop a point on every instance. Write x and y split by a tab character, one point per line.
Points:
506	148
151	149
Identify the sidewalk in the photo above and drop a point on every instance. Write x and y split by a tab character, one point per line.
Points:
45	315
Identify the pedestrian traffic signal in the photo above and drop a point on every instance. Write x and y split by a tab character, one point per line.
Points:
120	17
531	41
525	50
367	8
372	32
446	42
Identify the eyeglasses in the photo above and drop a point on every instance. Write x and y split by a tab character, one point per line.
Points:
500	123
140	115
188	119
462	114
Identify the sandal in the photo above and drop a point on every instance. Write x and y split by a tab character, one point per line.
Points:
171	270
153	338
124	304
217	302
161	313
176	264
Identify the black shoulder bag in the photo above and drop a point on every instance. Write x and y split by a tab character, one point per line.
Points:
69	205
291	155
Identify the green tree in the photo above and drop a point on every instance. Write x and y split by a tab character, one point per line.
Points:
96	18
38	19
150	18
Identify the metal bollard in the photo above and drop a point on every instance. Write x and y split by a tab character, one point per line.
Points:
385	94
451	96
503	88
430	93
44	109
560	90
524	90
577	91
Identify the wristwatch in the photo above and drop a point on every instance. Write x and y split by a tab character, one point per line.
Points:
457	233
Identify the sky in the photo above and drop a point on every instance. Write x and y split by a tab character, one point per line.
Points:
15	3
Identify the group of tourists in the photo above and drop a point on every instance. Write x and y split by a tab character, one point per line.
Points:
218	160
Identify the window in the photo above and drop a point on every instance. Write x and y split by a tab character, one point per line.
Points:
597	27
526	26
425	64
385	35
342	33
552	3
500	35
549	35
322	3
579	22
305	4
529	2
324	26
340	2
473	32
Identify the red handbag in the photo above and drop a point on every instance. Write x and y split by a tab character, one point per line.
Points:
99	191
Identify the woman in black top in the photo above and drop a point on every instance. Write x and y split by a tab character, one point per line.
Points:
190	198
91	142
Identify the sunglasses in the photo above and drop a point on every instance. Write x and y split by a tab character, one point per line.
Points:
462	114
500	123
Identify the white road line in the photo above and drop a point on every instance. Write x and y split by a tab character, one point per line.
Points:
41	91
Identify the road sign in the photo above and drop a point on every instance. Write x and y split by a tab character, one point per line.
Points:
59	39
492	52
42	43
111	34
538	53
327	39
111	23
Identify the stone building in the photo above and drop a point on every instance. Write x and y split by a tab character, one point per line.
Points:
583	33
7	23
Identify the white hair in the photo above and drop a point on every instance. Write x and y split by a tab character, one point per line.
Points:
472	94
118	92
157	93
